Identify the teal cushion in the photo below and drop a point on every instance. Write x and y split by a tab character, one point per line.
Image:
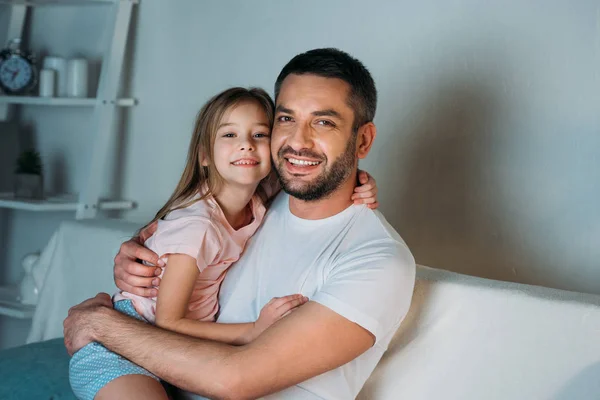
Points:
35	371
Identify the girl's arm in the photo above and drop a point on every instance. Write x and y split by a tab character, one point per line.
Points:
365	191
174	295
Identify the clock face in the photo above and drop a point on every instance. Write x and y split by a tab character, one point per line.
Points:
16	74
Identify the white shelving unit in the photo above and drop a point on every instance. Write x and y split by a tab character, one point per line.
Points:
11	306
105	106
36	3
57	203
63	101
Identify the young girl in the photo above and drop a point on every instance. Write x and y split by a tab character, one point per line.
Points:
202	229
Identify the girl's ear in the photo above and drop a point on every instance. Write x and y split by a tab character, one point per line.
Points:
203	160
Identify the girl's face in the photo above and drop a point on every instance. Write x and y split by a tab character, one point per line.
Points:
242	152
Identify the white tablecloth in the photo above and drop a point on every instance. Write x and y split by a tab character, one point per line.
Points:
76	264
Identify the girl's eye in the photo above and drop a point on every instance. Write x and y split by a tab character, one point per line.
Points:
261	135
229	135
284	118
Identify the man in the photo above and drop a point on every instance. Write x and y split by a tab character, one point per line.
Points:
347	259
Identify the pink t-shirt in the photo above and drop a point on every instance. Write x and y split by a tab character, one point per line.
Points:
202	232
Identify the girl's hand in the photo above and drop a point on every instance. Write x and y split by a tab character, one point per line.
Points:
274	310
366	193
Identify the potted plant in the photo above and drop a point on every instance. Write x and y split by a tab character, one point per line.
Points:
29	182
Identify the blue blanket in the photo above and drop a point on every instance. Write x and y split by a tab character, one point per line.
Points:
37	371
40	371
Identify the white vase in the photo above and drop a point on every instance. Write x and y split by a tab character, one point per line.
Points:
28	291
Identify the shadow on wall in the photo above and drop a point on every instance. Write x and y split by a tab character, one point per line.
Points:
446	213
583	386
9	149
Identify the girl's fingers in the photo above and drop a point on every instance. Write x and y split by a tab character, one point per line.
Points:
364	188
289	312
291	304
363	177
369	200
373	206
279	301
365	195
271	301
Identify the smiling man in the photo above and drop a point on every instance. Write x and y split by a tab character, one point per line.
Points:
356	270
311	147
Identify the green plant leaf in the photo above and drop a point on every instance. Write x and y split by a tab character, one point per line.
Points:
29	162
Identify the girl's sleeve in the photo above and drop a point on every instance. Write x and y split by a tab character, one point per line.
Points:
195	236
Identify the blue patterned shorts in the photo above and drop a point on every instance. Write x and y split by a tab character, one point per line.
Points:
94	366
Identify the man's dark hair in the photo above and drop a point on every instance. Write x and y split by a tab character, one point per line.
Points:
334	63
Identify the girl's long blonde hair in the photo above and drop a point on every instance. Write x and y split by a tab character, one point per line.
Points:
195	175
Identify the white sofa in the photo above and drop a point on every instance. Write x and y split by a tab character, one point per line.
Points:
464	338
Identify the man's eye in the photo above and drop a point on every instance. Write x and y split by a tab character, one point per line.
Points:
284	118
325	122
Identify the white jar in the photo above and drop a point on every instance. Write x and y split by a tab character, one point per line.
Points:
77	77
47	83
59	65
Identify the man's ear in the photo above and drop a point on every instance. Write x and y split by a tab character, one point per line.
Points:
366	137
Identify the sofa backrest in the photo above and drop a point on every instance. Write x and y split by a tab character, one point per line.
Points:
468	338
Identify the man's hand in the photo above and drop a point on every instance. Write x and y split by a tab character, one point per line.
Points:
78	329
130	274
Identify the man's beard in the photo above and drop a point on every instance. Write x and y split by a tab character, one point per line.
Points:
324	184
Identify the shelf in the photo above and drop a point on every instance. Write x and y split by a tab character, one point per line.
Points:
64	101
58	203
11	306
62	2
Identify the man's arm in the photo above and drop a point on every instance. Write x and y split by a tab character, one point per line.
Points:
308	342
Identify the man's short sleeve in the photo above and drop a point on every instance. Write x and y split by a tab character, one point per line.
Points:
371	286
195	236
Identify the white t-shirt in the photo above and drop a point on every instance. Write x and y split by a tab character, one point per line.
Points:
354	263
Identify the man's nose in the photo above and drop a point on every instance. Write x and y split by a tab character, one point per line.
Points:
301	138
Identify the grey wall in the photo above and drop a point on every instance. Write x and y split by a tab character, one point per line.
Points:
489	117
487	155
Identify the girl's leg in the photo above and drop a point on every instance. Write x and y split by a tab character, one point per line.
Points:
132	387
97	373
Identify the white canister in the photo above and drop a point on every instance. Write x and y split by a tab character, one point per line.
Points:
59	65
77	81
47	83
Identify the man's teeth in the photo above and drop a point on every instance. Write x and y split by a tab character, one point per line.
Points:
245	162
302	162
